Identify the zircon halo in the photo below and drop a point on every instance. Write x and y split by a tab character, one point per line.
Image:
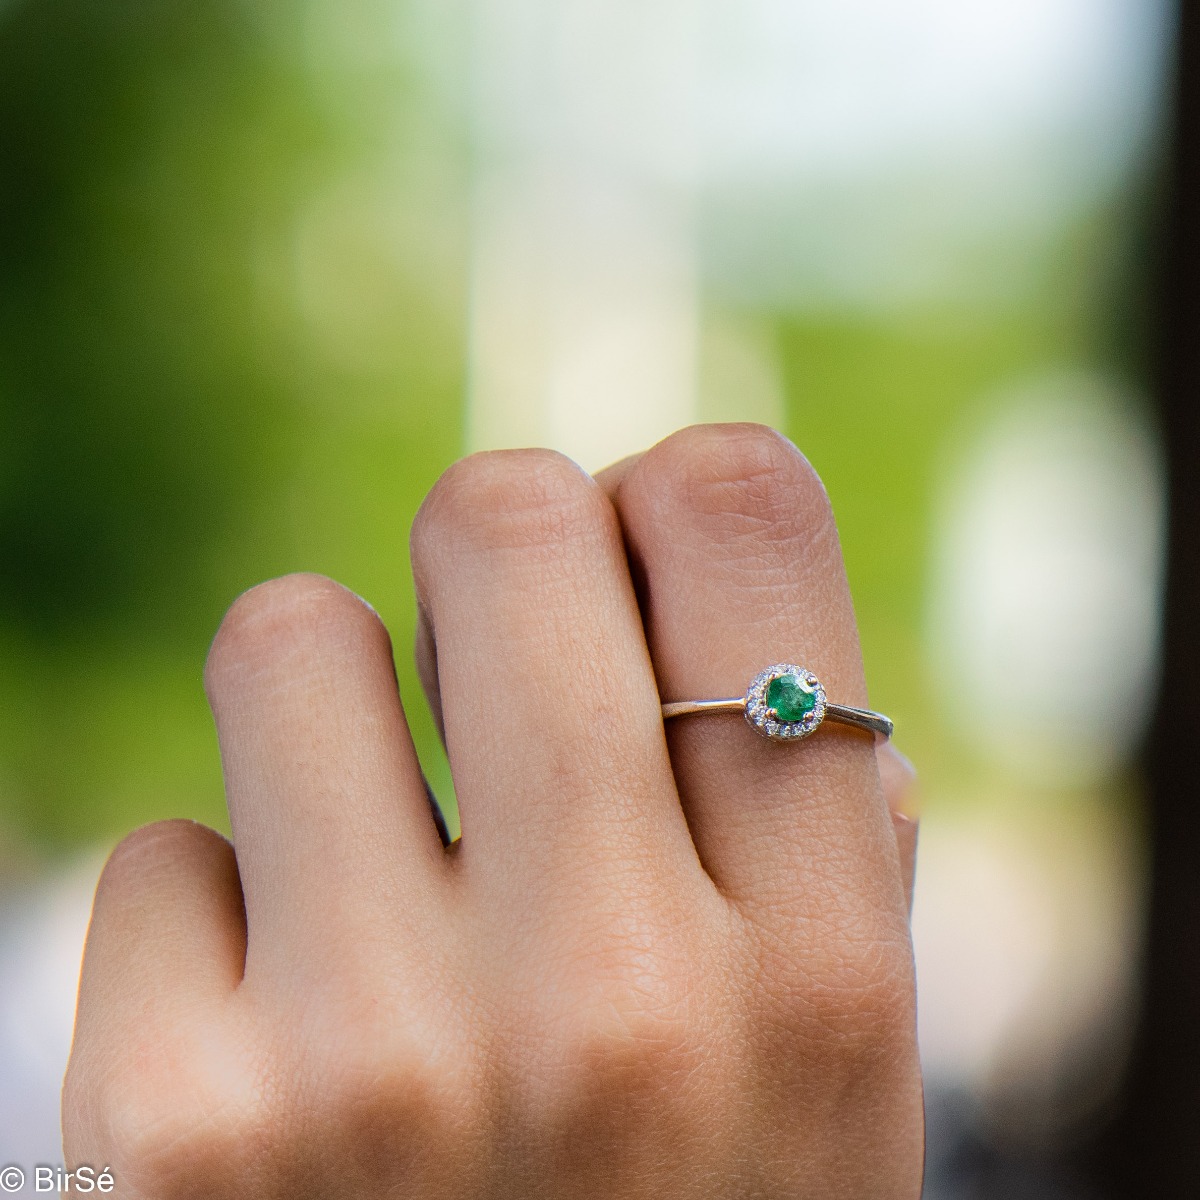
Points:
785	702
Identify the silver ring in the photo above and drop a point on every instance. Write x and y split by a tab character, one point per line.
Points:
787	703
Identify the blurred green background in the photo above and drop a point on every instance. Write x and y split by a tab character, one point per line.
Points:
215	368
258	288
172	430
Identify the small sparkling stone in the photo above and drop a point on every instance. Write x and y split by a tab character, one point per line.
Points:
791	697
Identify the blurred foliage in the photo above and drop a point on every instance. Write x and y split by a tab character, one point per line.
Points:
172	426
880	405
142	149
231	344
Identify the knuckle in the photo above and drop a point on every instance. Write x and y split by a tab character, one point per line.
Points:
620	1067
859	1033
173	1132
167	1157
852	1002
866	993
636	1018
510	500
740	481
284	616
626	1040
400	1103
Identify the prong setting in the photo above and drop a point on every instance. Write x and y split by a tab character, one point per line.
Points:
764	718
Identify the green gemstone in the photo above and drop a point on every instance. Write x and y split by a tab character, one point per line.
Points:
791	696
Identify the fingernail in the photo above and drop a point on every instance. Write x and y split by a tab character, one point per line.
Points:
907	831
899	778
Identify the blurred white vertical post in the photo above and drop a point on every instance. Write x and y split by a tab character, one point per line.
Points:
584	312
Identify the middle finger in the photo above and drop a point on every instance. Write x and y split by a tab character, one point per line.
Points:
550	709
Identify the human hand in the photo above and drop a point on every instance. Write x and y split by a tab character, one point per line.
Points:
657	965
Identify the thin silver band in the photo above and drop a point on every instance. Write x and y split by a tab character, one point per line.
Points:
841	714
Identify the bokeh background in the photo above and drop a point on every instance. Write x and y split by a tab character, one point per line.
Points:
267	268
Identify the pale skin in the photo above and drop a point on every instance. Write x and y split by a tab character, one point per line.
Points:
661	962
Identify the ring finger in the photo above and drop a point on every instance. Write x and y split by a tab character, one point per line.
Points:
733	543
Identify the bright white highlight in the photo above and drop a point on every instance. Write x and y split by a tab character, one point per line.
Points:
1046	598
584	310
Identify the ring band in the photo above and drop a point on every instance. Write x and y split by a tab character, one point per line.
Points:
786	702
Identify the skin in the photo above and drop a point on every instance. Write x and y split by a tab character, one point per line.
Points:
660	962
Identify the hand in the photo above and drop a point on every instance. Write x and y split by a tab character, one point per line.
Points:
657	965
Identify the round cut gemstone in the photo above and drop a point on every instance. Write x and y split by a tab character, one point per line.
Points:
791	697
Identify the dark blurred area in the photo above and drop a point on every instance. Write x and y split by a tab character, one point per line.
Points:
145	152
1147	1146
266	269
157	383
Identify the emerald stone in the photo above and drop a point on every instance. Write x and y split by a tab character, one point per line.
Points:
791	697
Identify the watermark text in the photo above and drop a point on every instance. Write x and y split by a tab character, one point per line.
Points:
57	1180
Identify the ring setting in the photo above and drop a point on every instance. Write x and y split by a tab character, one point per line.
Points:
786	702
